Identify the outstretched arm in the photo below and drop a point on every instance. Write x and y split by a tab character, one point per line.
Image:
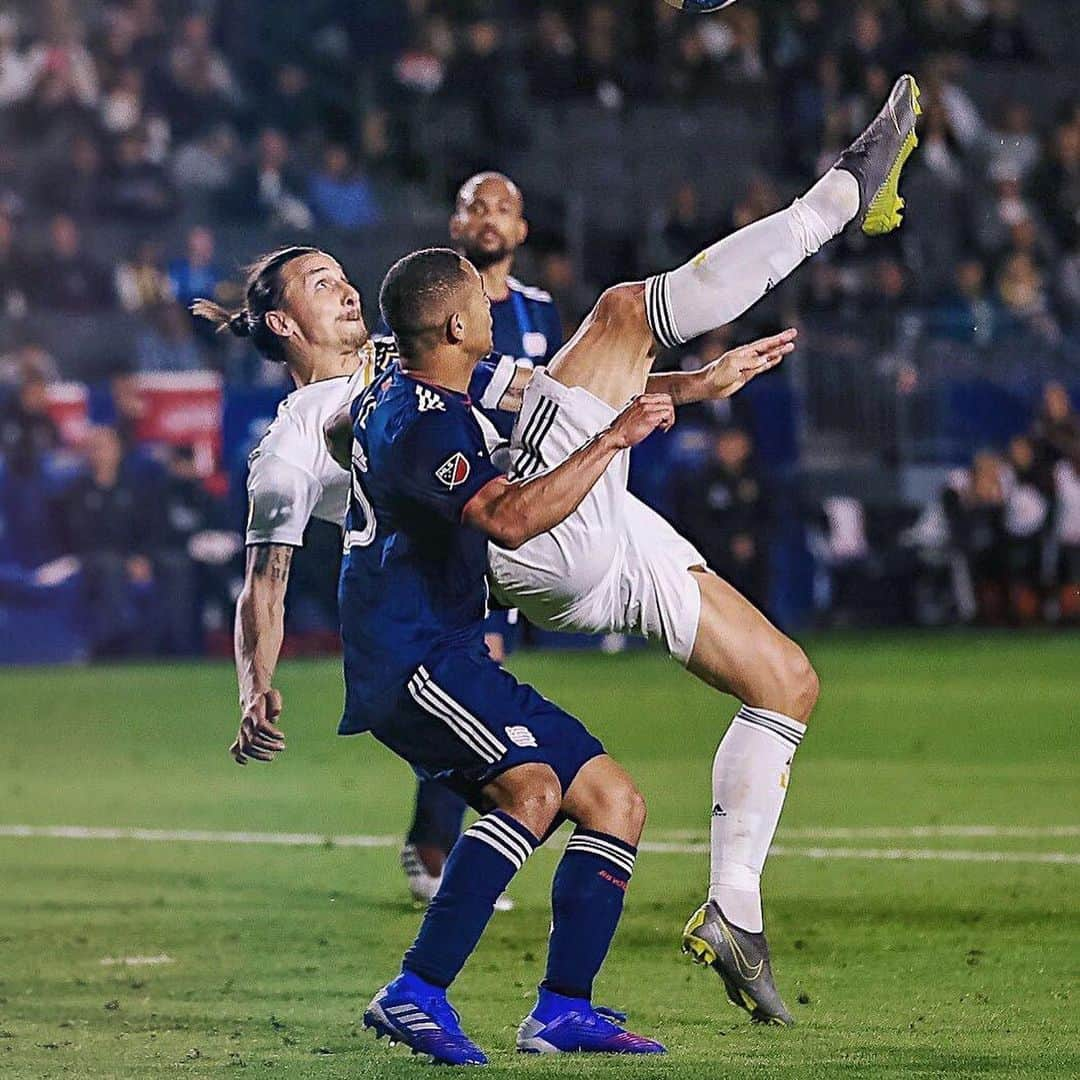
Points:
258	633
726	375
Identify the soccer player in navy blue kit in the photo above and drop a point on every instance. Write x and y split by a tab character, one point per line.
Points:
425	500
488	226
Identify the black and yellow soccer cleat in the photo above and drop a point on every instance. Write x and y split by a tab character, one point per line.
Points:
740	958
877	157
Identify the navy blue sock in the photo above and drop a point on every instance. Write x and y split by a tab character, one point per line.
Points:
490	852
437	816
586	904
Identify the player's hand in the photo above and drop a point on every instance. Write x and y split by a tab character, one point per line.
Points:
732	371
641	418
259	738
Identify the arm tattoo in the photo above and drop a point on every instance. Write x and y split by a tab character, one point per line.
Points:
270	561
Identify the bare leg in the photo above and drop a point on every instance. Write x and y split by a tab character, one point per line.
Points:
612	351
738	651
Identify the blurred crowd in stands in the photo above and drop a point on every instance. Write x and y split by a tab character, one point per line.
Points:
147	146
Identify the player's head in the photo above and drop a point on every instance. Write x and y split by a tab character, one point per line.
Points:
489	218
433	299
296	298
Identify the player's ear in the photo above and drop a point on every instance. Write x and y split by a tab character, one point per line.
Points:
457	225
455	328
280	324
522	231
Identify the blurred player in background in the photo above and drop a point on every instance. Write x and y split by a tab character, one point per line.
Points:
488	226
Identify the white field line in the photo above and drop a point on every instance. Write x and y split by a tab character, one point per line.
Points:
915	832
78	832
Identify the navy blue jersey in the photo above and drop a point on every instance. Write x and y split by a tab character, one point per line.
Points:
526	324
413	576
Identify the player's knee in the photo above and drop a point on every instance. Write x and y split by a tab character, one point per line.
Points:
800	682
622	305
618	808
536	804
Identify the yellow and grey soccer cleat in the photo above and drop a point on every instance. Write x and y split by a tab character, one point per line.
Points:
877	157
740	958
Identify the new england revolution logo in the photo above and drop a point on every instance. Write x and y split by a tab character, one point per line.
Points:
454	471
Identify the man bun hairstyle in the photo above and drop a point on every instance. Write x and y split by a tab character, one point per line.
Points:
264	289
415	293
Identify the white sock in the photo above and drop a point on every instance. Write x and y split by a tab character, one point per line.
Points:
727	279
750	779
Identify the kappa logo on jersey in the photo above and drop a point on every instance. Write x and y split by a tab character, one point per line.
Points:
429	400
454	471
520	735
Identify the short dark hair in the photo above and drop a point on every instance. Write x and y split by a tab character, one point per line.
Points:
264	287
412	290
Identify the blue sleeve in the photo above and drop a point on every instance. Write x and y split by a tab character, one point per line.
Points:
553	330
442	461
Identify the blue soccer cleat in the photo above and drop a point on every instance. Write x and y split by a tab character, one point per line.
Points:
566	1025
412	1011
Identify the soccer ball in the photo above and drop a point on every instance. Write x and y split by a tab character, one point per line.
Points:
700	7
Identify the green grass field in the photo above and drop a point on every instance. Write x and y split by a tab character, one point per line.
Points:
949	951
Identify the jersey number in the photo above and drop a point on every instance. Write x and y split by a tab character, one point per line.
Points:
360	505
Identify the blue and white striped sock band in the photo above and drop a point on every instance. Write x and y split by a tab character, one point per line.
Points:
658	312
617	852
505	835
783	727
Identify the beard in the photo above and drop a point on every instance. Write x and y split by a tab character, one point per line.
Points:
354	335
482	258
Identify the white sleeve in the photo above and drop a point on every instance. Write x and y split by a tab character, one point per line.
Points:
281	497
502	376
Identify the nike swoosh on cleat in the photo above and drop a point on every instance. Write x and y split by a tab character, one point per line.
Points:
746	970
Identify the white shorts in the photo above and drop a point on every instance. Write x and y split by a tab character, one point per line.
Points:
614	565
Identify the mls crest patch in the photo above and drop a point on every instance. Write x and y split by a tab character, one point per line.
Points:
454	471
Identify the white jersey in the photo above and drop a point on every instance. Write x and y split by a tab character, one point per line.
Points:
291	475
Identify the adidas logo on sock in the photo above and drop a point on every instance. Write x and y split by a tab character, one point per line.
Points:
718	811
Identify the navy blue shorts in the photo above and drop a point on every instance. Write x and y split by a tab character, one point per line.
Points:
464	720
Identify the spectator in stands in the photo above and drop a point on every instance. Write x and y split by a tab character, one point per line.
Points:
201	90
1056	432
65	78
75	184
139	189
292	104
206	165
26	429
1055	184
1067	535
167	341
197	274
1025	303
1003	35
105	520
682	231
270	188
722	509
67	278
967	312
141	281
604	73
975	510
339	193
14	271
17	70
550	57
1013	146
186	512
693	74
1029	493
